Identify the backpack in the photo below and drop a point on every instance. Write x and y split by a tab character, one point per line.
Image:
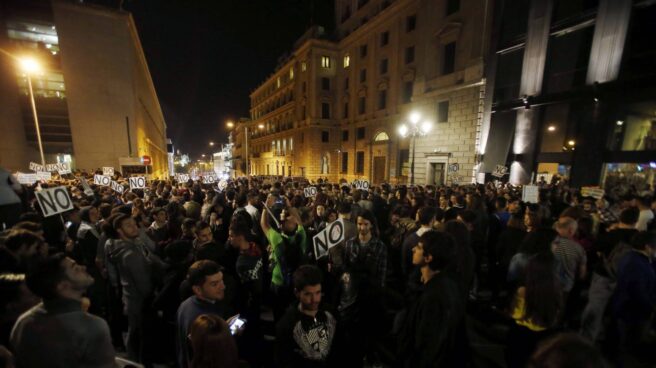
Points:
612	262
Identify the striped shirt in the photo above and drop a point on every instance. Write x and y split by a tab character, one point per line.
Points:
570	257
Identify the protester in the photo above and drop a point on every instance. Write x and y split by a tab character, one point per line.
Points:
56	332
305	334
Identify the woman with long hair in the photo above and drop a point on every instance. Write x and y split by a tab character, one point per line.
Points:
212	345
535	309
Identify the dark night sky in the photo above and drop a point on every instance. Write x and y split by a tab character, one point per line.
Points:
206	56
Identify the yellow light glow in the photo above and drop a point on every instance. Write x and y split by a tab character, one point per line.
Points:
571	142
230	124
29	65
551	128
415	117
260	126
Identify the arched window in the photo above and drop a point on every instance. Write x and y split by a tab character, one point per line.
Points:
380	137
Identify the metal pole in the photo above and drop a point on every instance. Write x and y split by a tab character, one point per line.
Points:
36	119
412	165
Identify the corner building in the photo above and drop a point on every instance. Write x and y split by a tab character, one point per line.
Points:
333	107
95	99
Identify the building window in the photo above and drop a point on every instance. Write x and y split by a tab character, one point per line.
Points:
303	66
325	62
325	137
410	23
325	84
360	133
278	82
363	51
346	14
383	66
443	111
291	73
381	137
346	112
362	102
359	162
409	54
449	64
382	99
384	38
345	135
363	75
407	91
325	110
344	162
452	6
346	83
347	61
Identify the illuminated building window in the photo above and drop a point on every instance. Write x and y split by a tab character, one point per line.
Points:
347	60
325	62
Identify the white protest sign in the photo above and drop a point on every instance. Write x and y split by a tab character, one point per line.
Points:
222	185
454	167
51	167
594	192
310	191
36	167
332	235
117	187
64	168
530	193
183	178
209	178
500	171
44	175
87	189
102	180
361	184
108	170
480	178
54	200
27	179
137	182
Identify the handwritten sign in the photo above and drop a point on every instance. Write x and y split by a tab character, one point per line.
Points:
108	171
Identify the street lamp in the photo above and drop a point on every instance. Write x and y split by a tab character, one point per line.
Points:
30	66
415	128
211	144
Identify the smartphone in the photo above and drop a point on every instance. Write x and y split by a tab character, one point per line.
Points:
236	324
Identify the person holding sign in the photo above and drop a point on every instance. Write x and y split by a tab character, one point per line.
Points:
288	246
365	264
10	204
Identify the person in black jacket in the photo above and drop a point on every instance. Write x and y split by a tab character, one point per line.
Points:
305	333
434	333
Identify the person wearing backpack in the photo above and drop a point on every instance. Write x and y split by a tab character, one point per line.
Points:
287	247
610	248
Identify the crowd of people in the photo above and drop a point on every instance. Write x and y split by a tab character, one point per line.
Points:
185	274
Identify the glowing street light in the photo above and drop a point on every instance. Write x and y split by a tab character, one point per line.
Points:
30	67
211	144
416	128
230	124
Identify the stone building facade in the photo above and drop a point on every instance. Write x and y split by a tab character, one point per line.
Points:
333	108
96	101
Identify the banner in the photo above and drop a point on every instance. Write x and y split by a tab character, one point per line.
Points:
361	184
44	175
54	200
117	187
209	178
87	189
137	182
594	192
500	171
108	171
182	178
36	167
27	179
332	235
102	180
310	191
530	194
